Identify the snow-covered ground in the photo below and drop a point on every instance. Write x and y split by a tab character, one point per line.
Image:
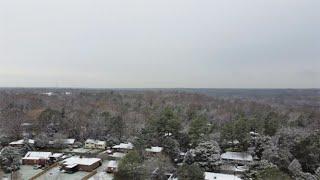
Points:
101	174
56	174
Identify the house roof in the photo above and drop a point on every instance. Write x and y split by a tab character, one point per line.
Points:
97	142
240	156
233	142
57	155
155	149
112	164
71	166
80	161
219	176
21	142
123	146
64	141
69	141
37	155
90	141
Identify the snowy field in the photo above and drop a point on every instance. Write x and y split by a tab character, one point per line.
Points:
55	174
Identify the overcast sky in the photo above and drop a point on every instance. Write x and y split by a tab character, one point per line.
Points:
162	44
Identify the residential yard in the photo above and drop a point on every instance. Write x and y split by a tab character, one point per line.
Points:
55	174
101	174
27	171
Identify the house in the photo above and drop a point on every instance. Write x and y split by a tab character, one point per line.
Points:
219	176
154	150
21	142
101	145
36	158
123	147
112	166
89	144
234	142
81	164
95	144
236	157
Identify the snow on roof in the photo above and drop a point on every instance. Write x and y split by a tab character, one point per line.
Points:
254	133
155	149
21	142
90	141
112	164
97	142
48	93
71	166
37	155
56	155
123	146
69	141
219	176
26	124
241	156
233	142
81	161
64	141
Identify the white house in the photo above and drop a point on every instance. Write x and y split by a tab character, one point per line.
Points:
101	145
95	144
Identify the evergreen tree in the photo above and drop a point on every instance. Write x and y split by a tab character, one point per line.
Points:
198	129
130	167
190	172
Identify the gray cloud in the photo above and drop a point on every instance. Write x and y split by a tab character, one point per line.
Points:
148	43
